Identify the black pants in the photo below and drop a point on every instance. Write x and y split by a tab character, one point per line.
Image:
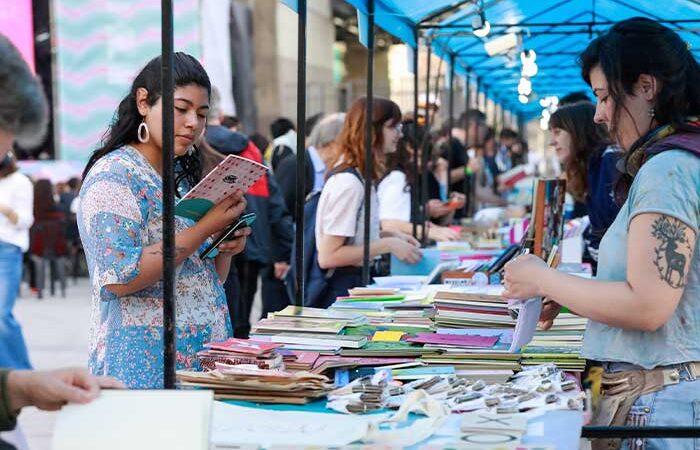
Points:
240	287
6	446
342	280
274	291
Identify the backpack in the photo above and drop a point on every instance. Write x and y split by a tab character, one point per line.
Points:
316	279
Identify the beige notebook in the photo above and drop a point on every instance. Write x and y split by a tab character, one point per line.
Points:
133	419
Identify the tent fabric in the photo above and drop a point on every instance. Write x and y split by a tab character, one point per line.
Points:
558	30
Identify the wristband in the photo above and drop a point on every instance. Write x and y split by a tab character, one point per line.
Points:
468	171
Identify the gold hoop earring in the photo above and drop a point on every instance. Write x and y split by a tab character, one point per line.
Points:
142	133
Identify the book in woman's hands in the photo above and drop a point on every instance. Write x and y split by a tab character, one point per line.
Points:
233	173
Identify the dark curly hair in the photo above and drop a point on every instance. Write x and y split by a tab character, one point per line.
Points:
639	46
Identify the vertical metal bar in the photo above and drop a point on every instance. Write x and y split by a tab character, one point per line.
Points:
166	73
495	115
301	151
424	149
369	151
478	95
503	118
466	182
414	189
450	121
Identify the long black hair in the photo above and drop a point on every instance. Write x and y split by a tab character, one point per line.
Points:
124	128
639	46
401	159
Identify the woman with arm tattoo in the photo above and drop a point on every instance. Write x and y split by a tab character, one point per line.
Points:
644	305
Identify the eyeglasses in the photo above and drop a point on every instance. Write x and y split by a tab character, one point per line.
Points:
398	127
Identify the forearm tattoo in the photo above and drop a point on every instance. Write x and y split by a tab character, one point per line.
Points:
178	251
673	251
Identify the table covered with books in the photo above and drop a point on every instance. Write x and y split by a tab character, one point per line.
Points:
462	366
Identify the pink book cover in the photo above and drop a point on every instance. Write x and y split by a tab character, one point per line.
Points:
244	346
452	339
303	357
231	174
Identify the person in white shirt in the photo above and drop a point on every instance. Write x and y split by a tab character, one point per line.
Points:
341	208
394	193
16	217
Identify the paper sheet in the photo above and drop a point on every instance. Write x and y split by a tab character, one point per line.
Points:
122	419
528	315
239	425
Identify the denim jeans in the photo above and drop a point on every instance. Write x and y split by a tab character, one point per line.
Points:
13	350
674	405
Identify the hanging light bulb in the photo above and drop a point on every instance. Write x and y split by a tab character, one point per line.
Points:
529	70
524	86
523	98
528	56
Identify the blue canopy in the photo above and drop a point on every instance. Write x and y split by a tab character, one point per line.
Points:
557	30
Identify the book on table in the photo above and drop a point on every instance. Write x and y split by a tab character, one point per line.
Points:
344	341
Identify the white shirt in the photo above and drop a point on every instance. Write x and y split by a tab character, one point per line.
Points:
394	197
17	192
341	210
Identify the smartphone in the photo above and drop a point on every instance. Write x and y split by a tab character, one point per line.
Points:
245	220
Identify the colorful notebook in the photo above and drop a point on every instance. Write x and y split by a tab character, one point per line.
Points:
233	173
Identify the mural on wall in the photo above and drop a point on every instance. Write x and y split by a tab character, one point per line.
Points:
100	47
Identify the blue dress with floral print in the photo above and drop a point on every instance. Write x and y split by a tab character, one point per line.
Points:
120	214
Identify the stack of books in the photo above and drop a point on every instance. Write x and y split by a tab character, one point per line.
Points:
258	385
471	306
475	353
560	344
234	352
310	329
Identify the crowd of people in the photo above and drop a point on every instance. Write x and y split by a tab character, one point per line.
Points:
631	162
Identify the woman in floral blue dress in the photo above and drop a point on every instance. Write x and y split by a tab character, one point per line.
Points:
120	222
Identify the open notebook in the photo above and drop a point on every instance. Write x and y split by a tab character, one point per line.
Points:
132	419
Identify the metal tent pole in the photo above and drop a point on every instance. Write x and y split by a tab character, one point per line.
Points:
169	319
424	148
415	209
450	121
369	170
466	181
301	151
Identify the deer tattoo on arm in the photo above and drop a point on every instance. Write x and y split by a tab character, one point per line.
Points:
673	251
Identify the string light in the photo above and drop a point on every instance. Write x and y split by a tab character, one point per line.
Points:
480	25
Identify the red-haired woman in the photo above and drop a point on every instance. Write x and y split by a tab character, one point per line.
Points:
341	208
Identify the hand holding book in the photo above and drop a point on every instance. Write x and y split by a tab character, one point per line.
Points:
219	217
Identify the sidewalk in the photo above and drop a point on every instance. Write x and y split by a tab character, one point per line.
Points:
56	331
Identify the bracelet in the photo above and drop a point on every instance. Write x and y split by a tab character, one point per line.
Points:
468	171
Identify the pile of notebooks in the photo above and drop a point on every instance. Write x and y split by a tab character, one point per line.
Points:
310	329
475	353
234	352
258	385
472	306
560	344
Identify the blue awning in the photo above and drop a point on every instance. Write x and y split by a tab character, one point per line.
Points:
557	30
